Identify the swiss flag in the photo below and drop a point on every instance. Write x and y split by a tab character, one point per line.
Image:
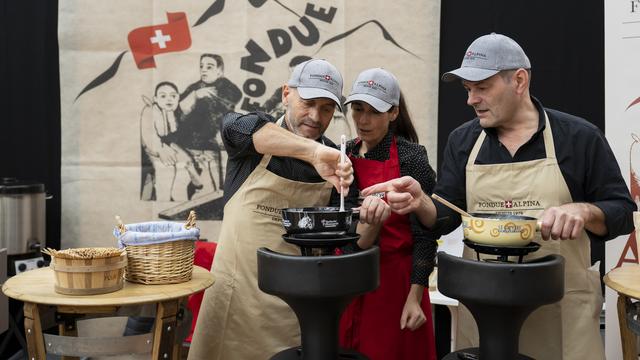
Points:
145	42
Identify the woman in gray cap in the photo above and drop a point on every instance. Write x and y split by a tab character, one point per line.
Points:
393	322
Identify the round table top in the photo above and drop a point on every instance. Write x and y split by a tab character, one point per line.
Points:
625	280
36	286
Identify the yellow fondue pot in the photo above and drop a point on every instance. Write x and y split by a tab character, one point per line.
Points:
500	230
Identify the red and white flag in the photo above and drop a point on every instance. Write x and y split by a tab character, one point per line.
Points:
145	42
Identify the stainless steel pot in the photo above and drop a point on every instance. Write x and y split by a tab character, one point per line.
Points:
22	216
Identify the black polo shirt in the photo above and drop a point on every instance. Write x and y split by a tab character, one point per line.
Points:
584	156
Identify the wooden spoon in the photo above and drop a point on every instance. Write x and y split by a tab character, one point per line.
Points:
450	205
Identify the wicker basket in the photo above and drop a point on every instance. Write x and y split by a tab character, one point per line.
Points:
166	263
159	263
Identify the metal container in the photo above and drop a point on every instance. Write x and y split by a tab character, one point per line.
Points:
22	216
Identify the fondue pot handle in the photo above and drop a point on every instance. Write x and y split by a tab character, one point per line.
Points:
538	225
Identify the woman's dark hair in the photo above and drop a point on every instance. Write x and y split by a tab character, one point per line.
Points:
166	83
403	125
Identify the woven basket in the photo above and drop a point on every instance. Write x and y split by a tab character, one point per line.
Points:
166	263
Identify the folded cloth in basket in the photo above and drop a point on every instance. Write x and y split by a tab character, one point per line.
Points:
154	232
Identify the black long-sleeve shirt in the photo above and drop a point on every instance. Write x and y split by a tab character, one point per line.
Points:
584	156
237	135
414	162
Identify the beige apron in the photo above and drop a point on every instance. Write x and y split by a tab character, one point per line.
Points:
237	321
570	328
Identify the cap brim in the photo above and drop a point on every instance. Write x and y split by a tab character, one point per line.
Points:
469	74
379	105
314	93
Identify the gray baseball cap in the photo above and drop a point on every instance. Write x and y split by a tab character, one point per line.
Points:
377	87
488	55
317	78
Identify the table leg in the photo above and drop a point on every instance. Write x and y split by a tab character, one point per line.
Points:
33	332
454	325
629	349
164	337
68	327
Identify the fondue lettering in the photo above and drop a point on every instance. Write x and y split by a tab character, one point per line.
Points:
270	209
273	212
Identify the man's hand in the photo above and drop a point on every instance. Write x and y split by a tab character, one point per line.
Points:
374	210
326	161
403	194
567	221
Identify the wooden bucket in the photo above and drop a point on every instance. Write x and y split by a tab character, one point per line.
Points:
89	276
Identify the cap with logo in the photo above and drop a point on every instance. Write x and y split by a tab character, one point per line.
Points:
488	55
377	87
317	78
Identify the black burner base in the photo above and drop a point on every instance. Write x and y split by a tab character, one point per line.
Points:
502	252
472	354
295	353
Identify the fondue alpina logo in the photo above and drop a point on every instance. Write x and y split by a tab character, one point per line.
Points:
329	223
526	204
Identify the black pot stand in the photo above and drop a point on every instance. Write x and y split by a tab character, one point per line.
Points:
320	244
502	252
318	289
500	296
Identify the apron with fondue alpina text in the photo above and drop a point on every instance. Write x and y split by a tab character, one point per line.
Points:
568	329
238	321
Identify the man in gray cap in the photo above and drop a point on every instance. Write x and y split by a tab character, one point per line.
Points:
272	165
517	157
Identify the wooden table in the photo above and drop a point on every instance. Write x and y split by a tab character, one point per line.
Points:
626	281
35	289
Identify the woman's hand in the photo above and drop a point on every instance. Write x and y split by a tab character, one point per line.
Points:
412	315
374	210
403	194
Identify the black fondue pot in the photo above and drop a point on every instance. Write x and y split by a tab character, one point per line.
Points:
318	220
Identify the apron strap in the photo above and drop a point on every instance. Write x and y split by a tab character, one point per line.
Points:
267	157
549	146
476	149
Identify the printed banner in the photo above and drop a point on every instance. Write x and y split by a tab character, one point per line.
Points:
145	84
622	119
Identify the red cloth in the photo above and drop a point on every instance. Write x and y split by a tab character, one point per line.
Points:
203	257
371	323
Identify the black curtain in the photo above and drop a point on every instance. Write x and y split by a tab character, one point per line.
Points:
564	42
30	101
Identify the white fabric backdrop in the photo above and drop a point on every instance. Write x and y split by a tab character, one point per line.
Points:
622	87
103	111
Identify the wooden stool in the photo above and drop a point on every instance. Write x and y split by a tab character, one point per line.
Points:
626	281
